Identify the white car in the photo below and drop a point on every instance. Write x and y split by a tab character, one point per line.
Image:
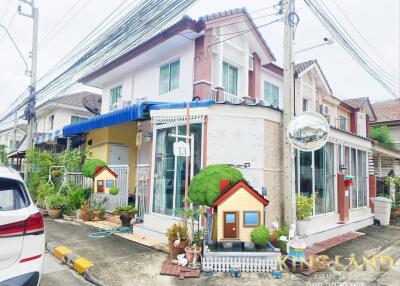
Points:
22	241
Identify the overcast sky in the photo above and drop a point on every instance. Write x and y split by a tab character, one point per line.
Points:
377	20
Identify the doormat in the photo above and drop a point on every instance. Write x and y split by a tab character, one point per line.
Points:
182	272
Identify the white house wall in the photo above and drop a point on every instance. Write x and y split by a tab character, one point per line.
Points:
143	82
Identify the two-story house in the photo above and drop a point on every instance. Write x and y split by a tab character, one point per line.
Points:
53	114
8	134
234	94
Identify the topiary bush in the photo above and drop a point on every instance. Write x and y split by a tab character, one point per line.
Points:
89	167
114	191
204	187
260	235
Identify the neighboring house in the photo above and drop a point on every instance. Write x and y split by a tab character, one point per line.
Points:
235	118
7	137
388	113
55	113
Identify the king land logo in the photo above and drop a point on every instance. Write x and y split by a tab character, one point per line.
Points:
324	263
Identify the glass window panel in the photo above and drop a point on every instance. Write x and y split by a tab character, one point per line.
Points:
164	79
174	71
271	94
12	196
115	95
250	218
320	173
229	78
225	76
362	178
305	173
330	178
229	218
353	188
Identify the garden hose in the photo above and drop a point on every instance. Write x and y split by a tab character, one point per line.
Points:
106	233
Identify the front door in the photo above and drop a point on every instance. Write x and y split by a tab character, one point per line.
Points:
230	225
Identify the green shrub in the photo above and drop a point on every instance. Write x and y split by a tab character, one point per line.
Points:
304	207
43	191
102	212
204	187
114	191
56	201
382	135
282	231
260	235
76	197
128	208
89	167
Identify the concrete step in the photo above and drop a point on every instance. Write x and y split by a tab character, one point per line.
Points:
149	231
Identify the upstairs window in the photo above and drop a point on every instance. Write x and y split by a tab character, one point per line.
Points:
229	78
51	122
342	122
305	105
271	94
77	119
169	77
115	96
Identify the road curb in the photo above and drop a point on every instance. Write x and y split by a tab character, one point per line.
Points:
74	261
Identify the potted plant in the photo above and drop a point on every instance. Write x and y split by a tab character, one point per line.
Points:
55	204
304	207
85	211
194	249
126	214
260	236
282	231
69	214
177	239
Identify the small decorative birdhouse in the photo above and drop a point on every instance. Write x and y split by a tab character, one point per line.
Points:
103	180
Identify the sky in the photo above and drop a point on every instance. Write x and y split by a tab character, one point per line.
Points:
378	22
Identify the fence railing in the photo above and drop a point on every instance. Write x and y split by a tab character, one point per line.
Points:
222	96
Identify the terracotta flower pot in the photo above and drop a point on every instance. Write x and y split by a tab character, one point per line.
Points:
54	213
126	218
85	216
190	252
272	238
175	250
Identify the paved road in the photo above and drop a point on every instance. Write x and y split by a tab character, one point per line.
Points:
56	274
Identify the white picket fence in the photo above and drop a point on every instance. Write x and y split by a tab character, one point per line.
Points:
247	261
121	199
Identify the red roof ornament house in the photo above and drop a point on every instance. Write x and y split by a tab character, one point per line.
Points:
237	211
104	179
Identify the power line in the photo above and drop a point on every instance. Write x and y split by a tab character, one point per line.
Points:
348	43
8	26
362	36
44	41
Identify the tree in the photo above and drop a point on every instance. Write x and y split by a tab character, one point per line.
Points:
89	167
204	187
382	135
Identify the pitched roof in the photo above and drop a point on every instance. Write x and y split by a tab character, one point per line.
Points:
183	24
361	102
274	68
102	169
74	99
21	126
231	190
236	11
387	111
300	67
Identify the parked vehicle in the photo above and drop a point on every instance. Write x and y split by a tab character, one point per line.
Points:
22	239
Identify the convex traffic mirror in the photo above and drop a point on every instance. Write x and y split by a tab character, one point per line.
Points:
308	131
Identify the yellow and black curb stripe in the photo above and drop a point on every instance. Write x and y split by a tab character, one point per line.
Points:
67	256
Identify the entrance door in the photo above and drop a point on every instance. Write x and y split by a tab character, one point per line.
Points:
118	155
230	225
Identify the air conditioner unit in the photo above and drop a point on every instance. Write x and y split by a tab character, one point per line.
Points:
323	109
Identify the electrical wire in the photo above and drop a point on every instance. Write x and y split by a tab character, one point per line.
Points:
348	44
8	27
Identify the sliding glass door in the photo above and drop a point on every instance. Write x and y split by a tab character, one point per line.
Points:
169	170
315	173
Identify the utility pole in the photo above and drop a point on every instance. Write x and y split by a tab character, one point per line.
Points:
30	111
289	194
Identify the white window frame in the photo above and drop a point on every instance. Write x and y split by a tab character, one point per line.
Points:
273	86
340	122
169	63
110	105
237	77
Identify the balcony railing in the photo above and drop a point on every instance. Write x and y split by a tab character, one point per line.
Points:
220	96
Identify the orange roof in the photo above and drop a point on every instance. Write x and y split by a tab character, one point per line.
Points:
236	187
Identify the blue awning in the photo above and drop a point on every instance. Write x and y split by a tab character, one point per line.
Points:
47	137
180	105
130	113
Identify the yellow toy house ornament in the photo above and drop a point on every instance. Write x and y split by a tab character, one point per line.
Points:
104	180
